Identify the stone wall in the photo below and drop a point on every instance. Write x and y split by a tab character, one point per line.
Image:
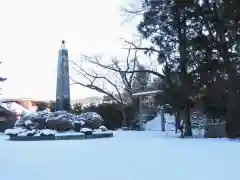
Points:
215	130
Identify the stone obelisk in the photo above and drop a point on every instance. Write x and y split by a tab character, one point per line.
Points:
63	89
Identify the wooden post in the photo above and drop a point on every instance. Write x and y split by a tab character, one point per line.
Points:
162	120
140	120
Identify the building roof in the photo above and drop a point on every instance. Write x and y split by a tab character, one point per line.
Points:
22	99
3	109
145	93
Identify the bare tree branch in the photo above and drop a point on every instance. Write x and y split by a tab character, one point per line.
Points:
109	67
91	86
135	47
92	77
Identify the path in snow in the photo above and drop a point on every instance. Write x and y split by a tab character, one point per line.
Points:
128	156
155	123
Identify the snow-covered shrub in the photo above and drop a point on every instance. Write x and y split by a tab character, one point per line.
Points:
86	131
57	113
79	122
77	108
21	121
39	122
93	120
14	132
60	121
29	124
198	120
43	113
33	120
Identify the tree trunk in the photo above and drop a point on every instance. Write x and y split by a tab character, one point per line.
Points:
124	120
177	121
187	122
185	91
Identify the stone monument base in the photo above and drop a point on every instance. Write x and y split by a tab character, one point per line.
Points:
63	136
217	130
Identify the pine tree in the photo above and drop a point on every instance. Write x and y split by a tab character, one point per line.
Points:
166	24
140	80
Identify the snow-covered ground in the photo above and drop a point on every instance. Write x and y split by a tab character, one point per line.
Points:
130	155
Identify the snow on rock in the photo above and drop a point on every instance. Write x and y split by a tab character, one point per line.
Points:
86	130
103	132
47	132
28	133
16	131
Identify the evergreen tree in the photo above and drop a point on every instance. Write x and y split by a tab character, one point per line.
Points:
77	108
197	43
140	80
166	24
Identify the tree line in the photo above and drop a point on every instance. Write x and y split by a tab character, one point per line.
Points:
196	43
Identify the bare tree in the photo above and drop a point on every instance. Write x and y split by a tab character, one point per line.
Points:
125	72
122	74
119	82
115	66
90	82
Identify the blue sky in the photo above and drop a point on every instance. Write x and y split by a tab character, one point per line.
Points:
31	34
